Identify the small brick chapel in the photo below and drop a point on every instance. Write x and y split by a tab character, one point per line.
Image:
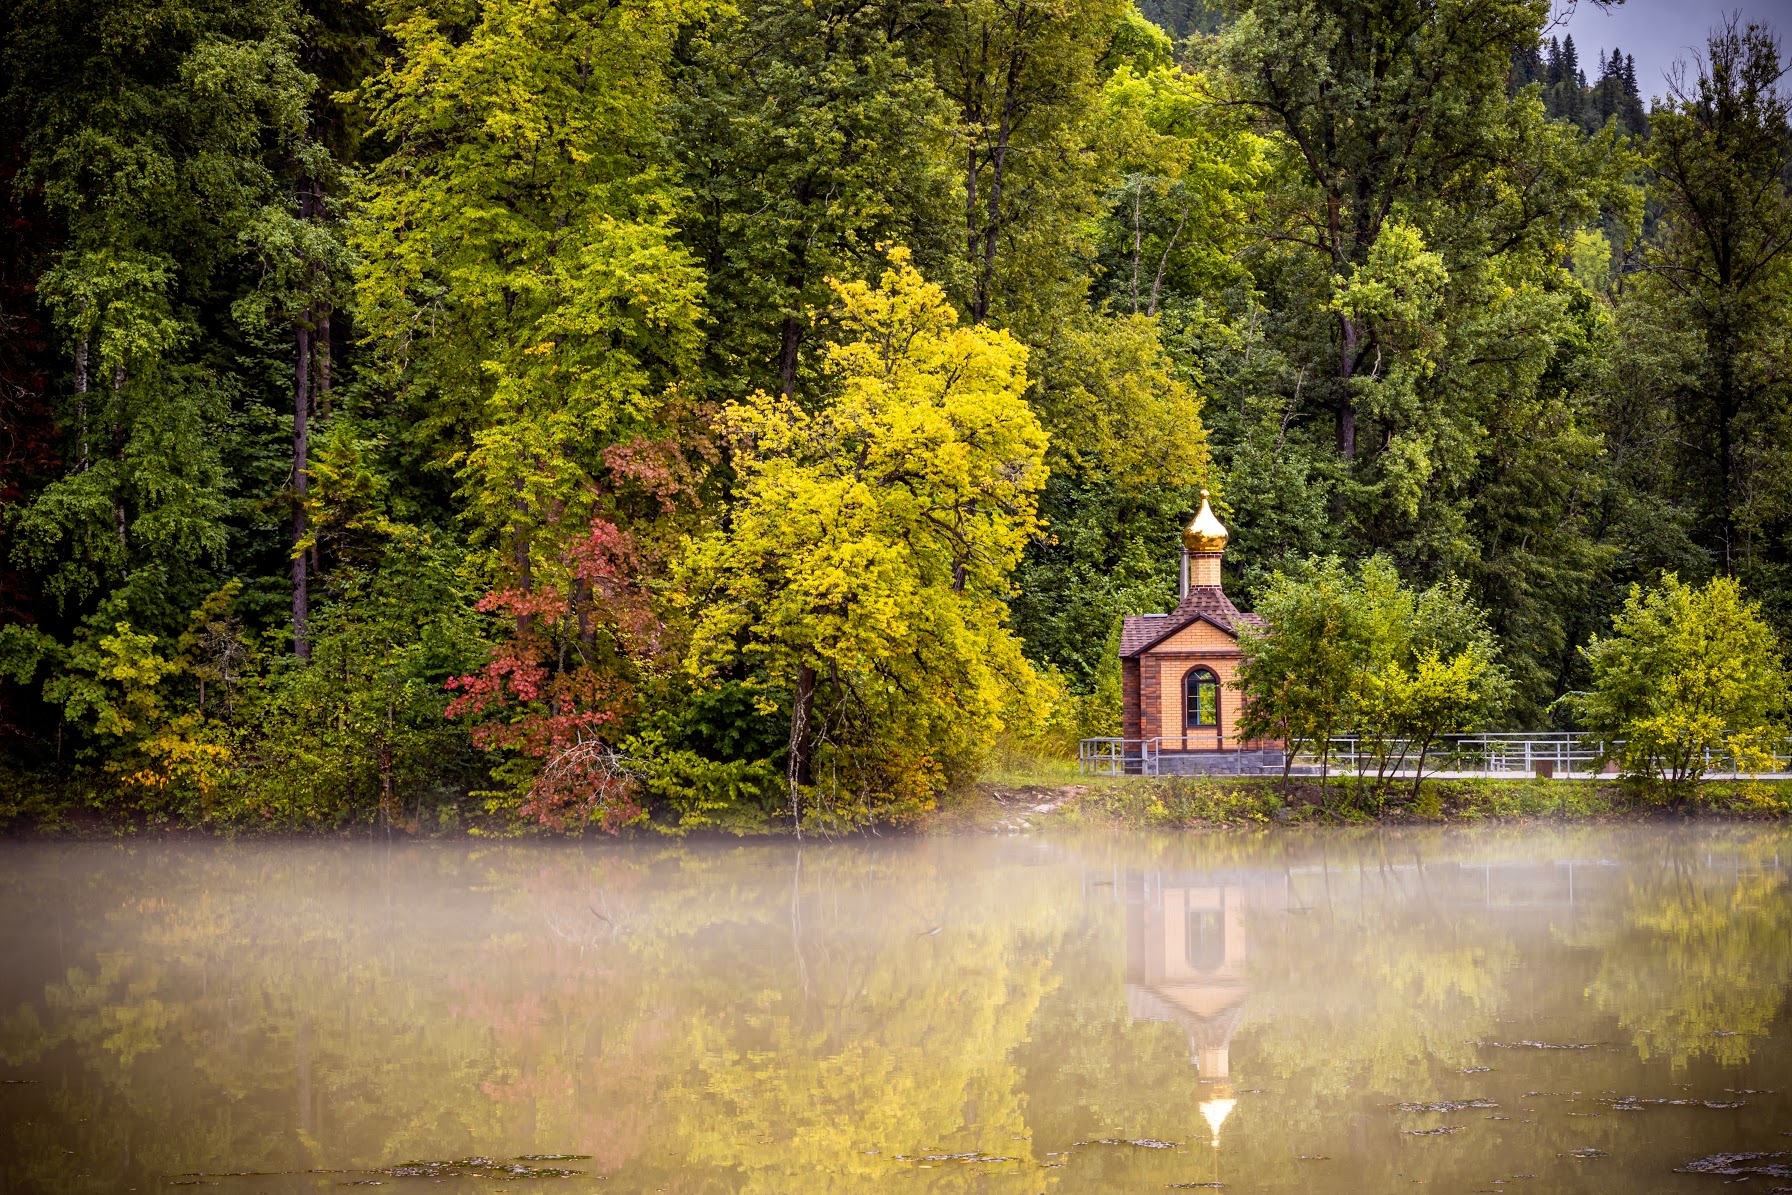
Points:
1178	670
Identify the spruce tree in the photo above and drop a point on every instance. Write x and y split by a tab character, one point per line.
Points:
1720	289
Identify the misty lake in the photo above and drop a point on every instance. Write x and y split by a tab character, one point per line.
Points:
1554	1009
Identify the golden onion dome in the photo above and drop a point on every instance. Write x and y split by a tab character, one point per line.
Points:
1206	533
1215	1110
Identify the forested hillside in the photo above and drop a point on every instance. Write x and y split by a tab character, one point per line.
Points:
424	410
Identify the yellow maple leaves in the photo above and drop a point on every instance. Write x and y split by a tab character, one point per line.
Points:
872	540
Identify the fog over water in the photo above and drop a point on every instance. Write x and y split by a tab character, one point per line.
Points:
1543	1009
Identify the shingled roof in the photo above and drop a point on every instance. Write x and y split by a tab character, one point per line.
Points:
1204	603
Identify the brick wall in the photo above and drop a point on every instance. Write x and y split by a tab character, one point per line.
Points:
1129	702
1151	688
1151	700
1171	670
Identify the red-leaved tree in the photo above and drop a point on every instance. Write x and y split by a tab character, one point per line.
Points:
556	690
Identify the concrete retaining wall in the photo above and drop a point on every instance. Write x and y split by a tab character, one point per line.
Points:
1253	762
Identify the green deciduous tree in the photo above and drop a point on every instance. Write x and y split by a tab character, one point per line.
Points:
1297	678
1024	77
808	135
1189	175
158	133
536	319
1368	653
1379	109
304	274
1435	670
1128	455
1128	447
164	140
359	734
519	274
1412	312
863	572
1686	672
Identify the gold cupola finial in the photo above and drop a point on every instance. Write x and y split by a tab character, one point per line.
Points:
1206	533
1215	1110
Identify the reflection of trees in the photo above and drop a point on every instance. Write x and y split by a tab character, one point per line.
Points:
744	1018
878	1038
659	1009
1695	961
1089	1070
312	1006
1374	982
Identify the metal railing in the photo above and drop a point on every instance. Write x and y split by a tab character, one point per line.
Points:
1566	754
1561	753
1118	757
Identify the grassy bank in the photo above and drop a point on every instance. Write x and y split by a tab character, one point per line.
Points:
1025	801
1024	794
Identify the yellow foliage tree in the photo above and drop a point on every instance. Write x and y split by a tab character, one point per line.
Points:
1687	675
862	579
117	682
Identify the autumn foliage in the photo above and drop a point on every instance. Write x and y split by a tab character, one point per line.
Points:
556	690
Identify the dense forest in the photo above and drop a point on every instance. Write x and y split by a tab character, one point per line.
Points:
581	413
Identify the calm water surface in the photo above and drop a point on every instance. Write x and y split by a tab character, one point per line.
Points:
1551	1010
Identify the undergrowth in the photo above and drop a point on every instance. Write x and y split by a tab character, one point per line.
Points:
1171	802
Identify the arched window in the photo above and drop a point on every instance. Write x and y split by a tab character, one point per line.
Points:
1201	705
1204	940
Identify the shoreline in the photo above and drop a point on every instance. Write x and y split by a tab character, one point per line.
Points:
1192	803
1038	803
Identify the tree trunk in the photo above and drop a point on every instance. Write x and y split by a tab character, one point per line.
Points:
1325	766
581	603
301	451
320	393
802	703
1138	241
382	747
519	555
119	523
81	404
1727	406
1346	403
1419	775
322	350
998	162
1163	263
970	206
787	357
525	578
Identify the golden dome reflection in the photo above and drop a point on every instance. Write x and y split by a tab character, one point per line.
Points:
1206	533
1214	1111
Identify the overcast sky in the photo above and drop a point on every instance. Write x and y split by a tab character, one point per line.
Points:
1656	32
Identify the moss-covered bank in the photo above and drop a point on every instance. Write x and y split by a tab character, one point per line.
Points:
1034	795
1195	802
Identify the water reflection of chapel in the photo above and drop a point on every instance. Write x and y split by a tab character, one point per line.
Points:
1185	955
1186	948
1178	671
